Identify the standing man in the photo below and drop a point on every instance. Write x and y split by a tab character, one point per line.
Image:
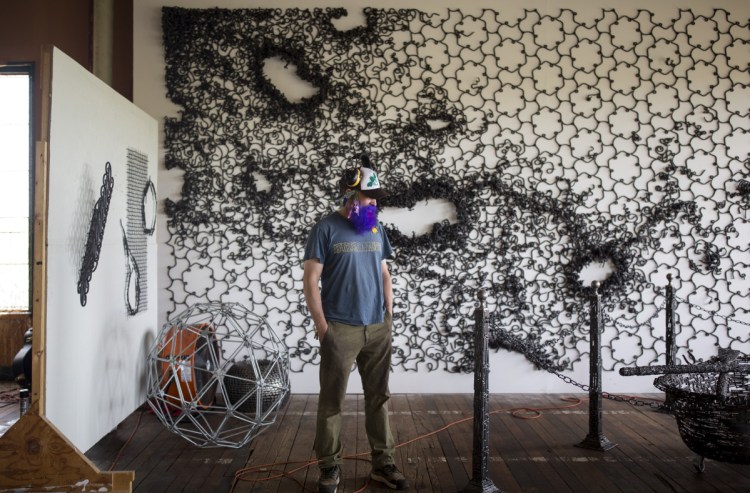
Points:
353	315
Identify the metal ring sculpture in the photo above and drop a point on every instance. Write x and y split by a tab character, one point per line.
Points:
217	375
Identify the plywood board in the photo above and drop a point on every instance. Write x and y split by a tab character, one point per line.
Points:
96	342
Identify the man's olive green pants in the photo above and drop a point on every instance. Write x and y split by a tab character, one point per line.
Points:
370	347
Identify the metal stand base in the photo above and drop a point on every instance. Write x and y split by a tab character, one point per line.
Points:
480	475
596	442
481	486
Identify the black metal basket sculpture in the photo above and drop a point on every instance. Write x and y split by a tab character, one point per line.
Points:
712	411
711	402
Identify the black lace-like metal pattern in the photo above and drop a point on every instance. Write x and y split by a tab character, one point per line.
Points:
559	142
95	235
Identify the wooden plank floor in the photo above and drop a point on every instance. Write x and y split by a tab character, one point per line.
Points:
8	405
435	433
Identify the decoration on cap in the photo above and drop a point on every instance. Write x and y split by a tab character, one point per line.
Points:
370	184
370	181
357	180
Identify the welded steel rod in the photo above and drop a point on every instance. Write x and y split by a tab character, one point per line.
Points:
676	369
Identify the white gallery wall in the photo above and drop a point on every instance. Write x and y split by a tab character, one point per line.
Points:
565	113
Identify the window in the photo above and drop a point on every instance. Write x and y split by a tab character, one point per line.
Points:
15	188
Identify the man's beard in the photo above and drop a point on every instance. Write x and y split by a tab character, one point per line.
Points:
364	218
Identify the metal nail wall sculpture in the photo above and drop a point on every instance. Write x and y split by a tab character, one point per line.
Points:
141	206
560	143
95	235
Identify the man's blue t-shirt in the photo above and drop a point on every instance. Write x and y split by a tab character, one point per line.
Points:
352	279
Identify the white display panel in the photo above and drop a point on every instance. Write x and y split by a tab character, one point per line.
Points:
97	341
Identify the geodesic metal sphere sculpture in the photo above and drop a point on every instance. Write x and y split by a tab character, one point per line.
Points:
217	375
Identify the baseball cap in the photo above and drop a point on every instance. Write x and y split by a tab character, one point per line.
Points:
364	179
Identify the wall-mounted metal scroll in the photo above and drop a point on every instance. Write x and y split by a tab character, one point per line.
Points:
96	234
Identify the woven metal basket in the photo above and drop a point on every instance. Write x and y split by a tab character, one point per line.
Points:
712	411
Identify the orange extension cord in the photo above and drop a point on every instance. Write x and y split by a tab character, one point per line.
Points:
278	471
